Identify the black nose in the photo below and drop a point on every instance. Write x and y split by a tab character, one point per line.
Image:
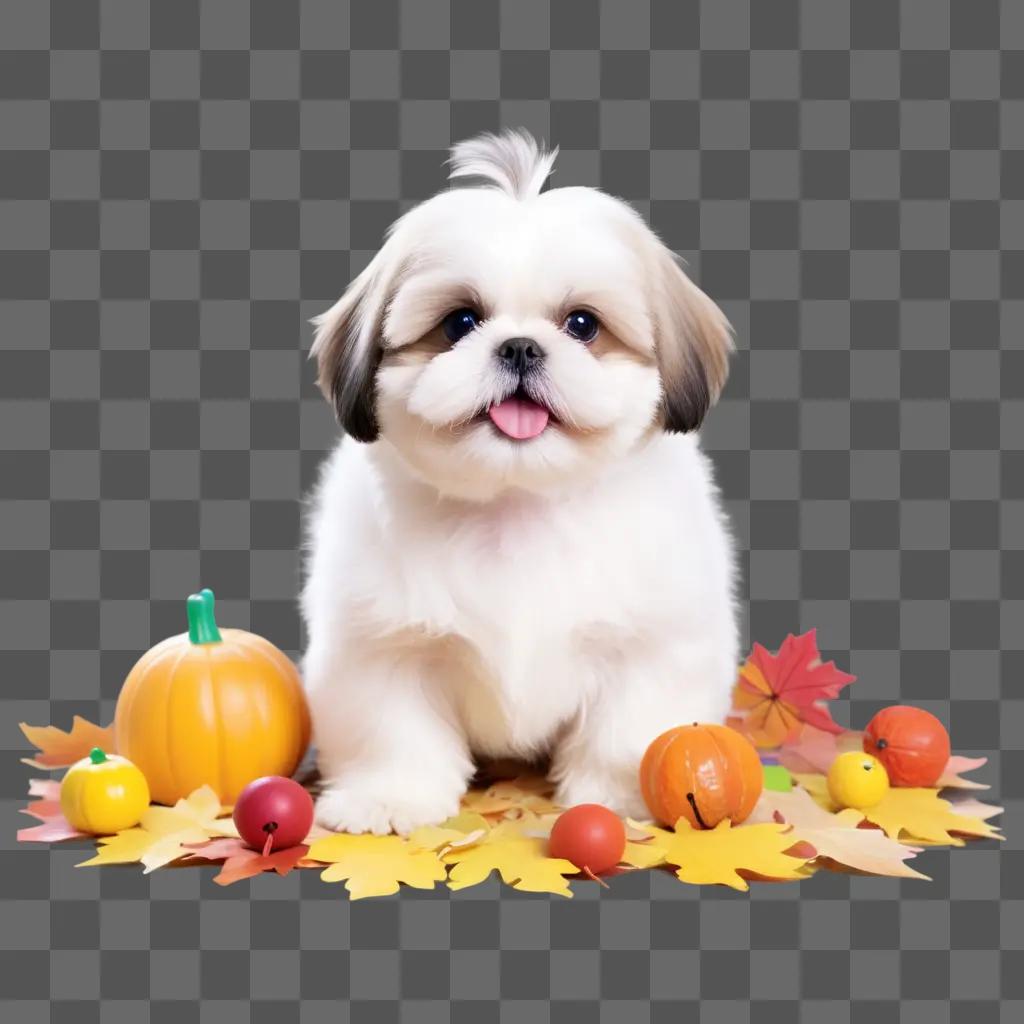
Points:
520	354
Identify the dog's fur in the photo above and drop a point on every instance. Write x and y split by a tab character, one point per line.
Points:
469	594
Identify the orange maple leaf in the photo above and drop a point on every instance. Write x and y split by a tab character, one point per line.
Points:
778	693
58	749
242	862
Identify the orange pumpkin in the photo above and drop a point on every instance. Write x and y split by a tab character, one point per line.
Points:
703	773
211	707
911	742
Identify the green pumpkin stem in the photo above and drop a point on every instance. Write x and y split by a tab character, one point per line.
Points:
97	756
202	626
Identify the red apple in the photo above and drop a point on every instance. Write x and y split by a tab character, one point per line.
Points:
590	836
273	813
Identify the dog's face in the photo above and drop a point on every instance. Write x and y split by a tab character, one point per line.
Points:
506	338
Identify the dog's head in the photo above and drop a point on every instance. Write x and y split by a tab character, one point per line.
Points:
508	337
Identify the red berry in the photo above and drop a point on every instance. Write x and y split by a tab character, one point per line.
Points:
911	742
590	836
276	807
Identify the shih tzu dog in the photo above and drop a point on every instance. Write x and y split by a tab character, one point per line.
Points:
518	551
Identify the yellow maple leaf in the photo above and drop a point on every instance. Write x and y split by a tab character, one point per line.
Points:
521	860
199	810
375	865
466	821
162	833
525	794
645	854
137	846
127	847
837	836
717	856
920	815
58	749
924	816
463	829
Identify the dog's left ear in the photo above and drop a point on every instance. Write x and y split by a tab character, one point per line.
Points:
348	347
693	340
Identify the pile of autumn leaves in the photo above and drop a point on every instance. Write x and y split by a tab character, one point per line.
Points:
780	705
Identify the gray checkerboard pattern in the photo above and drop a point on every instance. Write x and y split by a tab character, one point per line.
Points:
182	185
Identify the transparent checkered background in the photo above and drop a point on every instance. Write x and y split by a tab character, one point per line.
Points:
183	185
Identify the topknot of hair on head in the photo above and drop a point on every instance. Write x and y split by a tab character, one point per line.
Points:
511	161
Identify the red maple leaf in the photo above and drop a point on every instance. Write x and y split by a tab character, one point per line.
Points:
778	693
242	862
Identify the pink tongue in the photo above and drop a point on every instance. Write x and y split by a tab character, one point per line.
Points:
519	418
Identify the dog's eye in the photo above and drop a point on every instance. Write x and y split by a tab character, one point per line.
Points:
457	324
582	325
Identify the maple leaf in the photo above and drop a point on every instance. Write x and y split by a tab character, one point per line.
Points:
813	750
951	777
47	806
777	693
375	865
53	827
643	853
525	794
520	859
139	846
926	817
837	836
201	809
465	829
729	856
53	830
59	749
970	807
242	862
127	847
163	833
922	814
45	789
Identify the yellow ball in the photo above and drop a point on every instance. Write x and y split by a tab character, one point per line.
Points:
857	780
103	794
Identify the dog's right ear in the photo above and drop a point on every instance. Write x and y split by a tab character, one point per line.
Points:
348	347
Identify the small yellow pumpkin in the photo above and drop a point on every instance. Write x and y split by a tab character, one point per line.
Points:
857	780
103	794
211	707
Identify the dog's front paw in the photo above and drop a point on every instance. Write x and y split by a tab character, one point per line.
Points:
366	807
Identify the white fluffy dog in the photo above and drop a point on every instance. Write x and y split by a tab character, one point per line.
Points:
519	550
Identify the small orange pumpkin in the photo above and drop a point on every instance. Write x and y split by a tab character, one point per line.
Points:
211	707
911	742
703	773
